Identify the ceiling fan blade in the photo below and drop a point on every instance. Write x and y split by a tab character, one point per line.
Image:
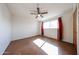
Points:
44	12
38	10
33	13
36	17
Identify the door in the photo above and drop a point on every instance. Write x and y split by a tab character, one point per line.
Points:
75	28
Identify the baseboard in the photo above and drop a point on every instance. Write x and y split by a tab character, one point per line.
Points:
25	38
42	36
49	37
57	40
6	48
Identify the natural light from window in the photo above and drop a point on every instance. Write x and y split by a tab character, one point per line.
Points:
51	24
38	42
46	47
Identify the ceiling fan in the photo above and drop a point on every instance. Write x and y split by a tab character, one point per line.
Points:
38	13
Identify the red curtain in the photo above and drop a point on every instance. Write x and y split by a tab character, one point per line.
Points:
42	29
60	29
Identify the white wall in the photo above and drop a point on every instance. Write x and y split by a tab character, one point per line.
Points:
23	27
5	28
68	26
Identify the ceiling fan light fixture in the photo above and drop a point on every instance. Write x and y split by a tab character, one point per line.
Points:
38	15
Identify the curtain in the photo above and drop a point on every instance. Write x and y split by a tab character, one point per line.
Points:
42	29
60	29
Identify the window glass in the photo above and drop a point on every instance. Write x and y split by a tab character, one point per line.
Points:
51	24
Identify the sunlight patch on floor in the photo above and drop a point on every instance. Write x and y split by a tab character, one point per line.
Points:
46	47
38	42
50	49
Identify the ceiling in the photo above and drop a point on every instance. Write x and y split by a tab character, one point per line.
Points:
23	9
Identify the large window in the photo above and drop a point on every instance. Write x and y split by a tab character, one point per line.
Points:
51	24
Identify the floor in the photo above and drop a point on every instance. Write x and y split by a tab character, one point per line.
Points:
39	45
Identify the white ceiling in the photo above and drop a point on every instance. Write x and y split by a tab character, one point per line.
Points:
23	9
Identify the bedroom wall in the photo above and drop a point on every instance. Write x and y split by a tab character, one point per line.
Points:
5	28
24	24
67	19
24	27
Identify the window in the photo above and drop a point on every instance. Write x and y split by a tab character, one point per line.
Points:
51	24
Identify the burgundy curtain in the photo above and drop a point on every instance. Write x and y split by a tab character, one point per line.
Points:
60	29
42	29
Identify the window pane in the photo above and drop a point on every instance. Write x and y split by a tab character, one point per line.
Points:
46	24
54	24
51	24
